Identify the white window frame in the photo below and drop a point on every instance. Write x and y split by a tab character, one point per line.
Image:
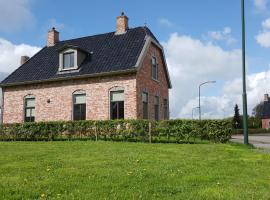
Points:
61	60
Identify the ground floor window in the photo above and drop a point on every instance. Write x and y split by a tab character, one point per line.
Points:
79	106
145	105
117	108
166	110
156	108
30	110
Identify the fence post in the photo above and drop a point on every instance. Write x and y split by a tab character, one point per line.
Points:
150	136
96	131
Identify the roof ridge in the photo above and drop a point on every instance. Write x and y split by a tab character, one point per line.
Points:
95	35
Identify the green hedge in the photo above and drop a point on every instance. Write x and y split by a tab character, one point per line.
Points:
179	131
251	131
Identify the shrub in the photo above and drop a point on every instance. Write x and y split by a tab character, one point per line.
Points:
181	131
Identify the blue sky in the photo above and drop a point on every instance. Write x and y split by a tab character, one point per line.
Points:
201	39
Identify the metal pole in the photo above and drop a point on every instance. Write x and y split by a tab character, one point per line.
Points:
245	120
200	102
200	96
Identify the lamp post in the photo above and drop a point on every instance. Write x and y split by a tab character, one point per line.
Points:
193	111
200	96
245	121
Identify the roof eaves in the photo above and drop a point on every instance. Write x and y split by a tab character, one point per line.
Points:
112	73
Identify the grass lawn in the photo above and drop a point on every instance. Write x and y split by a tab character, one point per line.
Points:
117	170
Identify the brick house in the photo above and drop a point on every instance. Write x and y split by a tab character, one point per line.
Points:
116	75
266	112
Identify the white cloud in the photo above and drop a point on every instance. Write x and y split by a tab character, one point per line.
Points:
222	105
191	62
224	35
266	24
15	14
260	4
165	22
263	38
10	54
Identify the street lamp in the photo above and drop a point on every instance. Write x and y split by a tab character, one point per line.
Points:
245	121
200	96
193	111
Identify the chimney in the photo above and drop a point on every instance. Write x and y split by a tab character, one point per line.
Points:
266	97
121	24
24	59
53	37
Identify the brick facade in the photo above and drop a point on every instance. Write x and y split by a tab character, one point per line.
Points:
145	83
265	123
54	100
61	101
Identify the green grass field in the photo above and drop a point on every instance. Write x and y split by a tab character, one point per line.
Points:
117	170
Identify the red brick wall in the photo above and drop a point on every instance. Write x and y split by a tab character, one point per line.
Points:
265	123
60	95
146	83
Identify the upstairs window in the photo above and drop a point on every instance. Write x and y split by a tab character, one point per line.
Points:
145	105
154	70
29	112
79	107
117	104
68	60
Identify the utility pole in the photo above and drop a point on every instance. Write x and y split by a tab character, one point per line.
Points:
245	120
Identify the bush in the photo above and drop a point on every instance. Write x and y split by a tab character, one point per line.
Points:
180	131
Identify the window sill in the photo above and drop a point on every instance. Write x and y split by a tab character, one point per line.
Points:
155	80
69	70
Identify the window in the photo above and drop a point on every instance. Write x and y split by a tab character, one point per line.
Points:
117	104
166	110
29	112
79	106
154	68
156	108
145	105
68	60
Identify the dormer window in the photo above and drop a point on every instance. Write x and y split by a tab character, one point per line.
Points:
71	58
68	60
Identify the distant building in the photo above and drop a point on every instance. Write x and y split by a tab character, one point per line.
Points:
266	112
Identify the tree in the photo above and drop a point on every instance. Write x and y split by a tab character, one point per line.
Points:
257	111
237	122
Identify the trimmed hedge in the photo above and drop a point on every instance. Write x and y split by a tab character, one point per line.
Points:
179	131
251	131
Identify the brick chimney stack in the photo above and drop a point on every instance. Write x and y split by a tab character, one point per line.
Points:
266	97
24	59
121	24
53	37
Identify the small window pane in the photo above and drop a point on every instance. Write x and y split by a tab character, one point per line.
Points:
30	102
79	99
156	100
68	60
28	112
117	96
144	97
154	68
33	113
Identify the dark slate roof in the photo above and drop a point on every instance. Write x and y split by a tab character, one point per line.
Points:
110	53
266	110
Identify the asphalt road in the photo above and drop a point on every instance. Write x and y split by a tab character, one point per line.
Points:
258	140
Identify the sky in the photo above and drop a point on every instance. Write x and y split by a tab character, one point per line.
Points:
201	40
